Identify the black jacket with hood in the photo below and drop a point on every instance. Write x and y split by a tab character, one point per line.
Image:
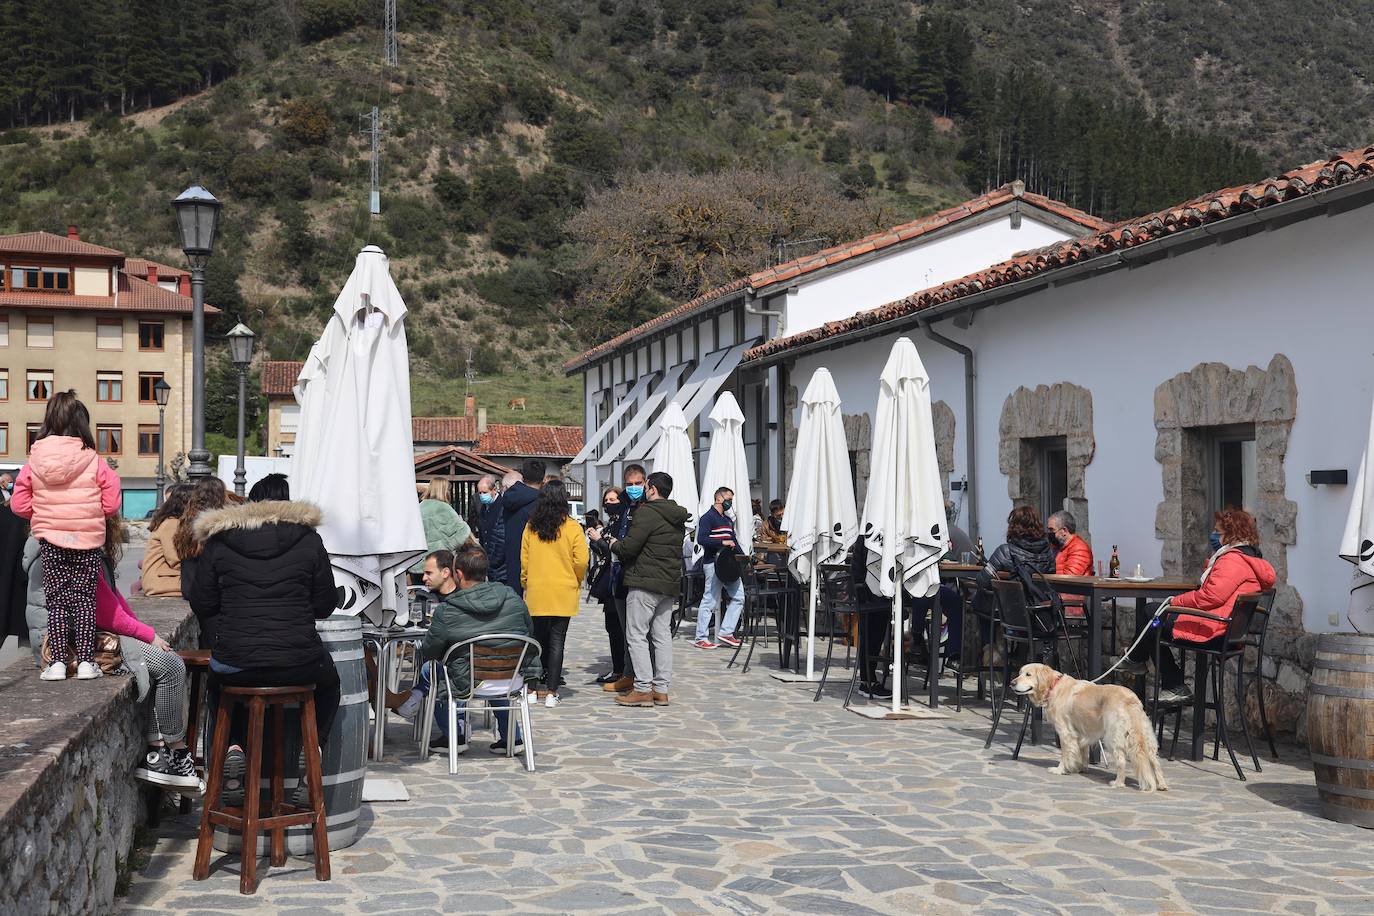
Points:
1034	553
264	579
516	505
467	613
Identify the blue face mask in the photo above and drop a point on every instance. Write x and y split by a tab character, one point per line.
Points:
487	498
635	492
1215	540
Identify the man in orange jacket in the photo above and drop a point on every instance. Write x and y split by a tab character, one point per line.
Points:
1073	556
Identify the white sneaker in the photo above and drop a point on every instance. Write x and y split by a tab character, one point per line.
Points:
551	701
57	671
88	671
411	707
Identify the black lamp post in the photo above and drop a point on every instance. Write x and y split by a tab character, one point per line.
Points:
241	352
197	220
161	390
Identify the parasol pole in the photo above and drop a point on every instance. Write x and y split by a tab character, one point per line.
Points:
897	684
811	615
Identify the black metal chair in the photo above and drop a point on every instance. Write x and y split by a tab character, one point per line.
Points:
1218	655
1259	628
1030	630
840	599
690	593
766	594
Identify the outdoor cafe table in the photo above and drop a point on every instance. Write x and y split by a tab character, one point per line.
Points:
388	641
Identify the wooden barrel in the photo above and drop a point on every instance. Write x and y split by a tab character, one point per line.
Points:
344	764
1340	727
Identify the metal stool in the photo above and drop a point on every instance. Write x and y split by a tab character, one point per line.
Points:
246	820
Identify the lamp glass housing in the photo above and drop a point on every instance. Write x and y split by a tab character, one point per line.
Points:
241	345
198	221
161	391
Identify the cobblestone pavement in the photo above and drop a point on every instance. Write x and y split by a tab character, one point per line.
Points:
746	797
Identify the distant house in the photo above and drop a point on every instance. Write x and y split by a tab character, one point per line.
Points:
502	444
78	315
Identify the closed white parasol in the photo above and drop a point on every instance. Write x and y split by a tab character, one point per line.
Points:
822	519
726	466
354	457
904	523
1357	544
673	456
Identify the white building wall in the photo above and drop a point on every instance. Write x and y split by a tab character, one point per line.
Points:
1295	291
888	278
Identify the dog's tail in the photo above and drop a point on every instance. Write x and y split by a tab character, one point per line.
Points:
1140	739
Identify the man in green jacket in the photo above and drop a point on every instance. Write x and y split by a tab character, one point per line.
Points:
652	554
469	607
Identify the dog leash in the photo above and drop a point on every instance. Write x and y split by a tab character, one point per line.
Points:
1154	622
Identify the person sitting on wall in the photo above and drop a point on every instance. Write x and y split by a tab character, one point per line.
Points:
161	566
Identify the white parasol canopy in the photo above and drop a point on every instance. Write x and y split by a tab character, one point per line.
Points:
673	456
1357	544
354	457
822	519
726	466
904	522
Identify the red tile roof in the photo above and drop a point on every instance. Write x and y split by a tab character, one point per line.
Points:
279	376
443	429
48	243
916	228
135	295
840	253
531	440
1344	168
139	268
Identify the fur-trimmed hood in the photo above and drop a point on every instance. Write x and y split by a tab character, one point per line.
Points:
261	529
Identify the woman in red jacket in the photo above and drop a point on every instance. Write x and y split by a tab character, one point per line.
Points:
1236	569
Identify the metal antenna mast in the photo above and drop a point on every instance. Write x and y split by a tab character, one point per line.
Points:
469	376
372	127
389	31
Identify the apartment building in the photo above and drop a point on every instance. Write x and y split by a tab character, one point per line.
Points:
78	315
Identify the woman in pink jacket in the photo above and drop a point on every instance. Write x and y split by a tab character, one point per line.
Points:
67	492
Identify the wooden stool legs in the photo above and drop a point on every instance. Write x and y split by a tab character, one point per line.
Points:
249	820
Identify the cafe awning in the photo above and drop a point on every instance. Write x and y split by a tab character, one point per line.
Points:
637	423
698	391
630	399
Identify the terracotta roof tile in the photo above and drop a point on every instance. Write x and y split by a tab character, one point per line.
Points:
135	295
48	243
1344	168
139	268
279	376
840	253
451	430
531	440
468	456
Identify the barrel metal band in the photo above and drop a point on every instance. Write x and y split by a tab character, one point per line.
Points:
1348	763
348	699
1331	788
1361	645
347	655
1352	693
1329	665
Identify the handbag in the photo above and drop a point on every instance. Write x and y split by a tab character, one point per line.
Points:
107	654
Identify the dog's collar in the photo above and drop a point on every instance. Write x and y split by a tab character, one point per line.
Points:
1054	685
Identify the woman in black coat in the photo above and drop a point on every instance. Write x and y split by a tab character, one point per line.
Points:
1026	544
264	578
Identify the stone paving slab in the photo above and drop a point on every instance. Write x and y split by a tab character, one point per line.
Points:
746	797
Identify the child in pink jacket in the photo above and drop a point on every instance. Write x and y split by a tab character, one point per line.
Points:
67	492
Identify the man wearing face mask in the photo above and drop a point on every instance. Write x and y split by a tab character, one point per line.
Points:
1073	556
6	488
491	527
617	527
715	533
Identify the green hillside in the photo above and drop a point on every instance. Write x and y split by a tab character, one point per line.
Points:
554	172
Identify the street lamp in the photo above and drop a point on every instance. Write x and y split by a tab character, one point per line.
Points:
241	352
161	390
197	220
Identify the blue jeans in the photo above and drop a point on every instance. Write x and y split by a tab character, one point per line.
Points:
734	593
422	684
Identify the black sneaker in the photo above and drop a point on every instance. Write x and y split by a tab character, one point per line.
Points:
1131	668
168	768
235	764
610	677
499	747
875	691
440	742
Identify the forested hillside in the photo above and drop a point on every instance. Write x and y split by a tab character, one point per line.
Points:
524	141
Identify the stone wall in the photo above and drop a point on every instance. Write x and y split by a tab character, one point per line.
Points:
1061	409
1187	407
858	434
69	804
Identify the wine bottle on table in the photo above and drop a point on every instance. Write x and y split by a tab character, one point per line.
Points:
1114	567
982	560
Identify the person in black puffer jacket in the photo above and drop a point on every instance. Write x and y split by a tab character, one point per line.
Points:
265	578
1026	544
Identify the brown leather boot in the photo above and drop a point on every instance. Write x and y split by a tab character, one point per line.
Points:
620	686
660	699
635	698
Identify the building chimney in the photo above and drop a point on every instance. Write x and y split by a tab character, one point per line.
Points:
184	285
73	234
152	274
1018	188
469	405
481	420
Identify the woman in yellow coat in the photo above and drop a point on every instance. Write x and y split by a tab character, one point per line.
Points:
553	561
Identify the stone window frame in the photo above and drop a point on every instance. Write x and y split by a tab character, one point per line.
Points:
1062	410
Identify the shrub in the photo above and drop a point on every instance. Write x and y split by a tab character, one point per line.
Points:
477	110
509	235
319	19
306	121
451	190
534	100
574	139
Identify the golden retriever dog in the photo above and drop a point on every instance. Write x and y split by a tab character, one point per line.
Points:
1083	713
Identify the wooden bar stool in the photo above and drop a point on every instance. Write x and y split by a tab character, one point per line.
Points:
198	669
247	820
